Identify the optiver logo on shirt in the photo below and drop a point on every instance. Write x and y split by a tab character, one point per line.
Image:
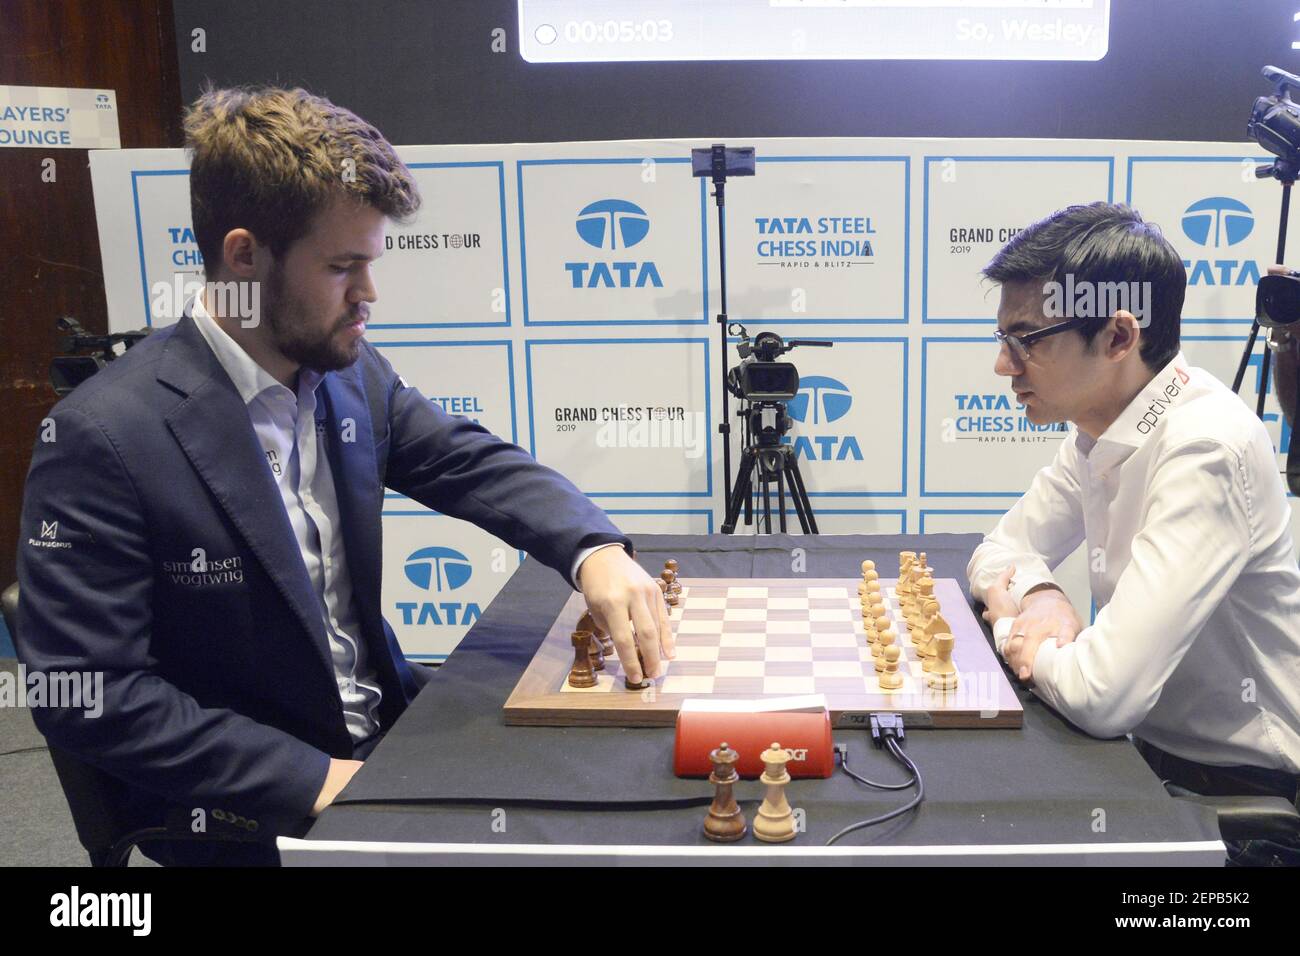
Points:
1165	400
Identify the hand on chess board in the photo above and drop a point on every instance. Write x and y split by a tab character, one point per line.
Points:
629	605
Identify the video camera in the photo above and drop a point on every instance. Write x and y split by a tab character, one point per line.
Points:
760	377
70	370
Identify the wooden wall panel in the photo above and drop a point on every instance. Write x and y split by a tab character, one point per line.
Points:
49	260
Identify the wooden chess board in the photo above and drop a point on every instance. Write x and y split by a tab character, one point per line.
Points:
750	639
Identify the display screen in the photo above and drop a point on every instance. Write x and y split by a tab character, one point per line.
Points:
567	31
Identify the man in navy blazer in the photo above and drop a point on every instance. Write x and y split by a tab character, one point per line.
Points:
230	594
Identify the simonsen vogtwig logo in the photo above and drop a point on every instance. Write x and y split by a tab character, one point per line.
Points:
438	569
613	225
1215	223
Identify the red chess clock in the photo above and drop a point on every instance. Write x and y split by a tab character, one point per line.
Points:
805	735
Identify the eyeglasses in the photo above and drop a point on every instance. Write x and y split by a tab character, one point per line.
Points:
1020	343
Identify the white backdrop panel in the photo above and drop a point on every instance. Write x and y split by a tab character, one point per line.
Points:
818	239
964	230
448	268
623	417
902	426
975	437
612	241
440	573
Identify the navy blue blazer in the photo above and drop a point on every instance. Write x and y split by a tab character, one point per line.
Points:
221	694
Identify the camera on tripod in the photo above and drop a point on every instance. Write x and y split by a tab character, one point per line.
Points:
1275	125
764	385
765	382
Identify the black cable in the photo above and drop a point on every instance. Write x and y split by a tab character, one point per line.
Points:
22	750
897	752
844	765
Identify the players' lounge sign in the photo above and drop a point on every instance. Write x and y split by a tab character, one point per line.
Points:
44	117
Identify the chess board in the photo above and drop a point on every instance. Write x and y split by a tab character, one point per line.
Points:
751	639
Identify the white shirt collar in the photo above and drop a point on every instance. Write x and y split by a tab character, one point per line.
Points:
1137	422
250	379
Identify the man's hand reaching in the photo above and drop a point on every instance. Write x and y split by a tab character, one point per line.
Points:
627	603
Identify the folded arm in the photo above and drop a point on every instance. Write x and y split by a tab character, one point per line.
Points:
1193	544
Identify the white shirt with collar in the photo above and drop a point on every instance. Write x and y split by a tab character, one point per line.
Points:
1196	643
285	425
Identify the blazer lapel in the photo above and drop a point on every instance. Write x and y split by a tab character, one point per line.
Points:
212	427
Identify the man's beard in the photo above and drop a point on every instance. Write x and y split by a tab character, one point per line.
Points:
293	335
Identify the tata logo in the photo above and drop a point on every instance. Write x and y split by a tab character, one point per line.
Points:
613	225
1218	222
827	400
824	396
438	569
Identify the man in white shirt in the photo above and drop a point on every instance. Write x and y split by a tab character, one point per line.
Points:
1173	484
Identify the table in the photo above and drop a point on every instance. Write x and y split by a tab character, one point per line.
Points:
451	784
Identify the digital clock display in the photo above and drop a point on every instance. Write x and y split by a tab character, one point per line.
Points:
567	31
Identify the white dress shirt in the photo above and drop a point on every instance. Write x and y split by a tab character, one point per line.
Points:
1196	643
285	425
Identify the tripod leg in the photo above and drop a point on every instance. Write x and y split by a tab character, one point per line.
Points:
767	499
780	497
803	507
740	493
749	500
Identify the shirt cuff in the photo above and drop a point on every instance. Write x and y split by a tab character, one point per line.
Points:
583	555
1001	632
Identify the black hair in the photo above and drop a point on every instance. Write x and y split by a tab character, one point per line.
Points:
1098	243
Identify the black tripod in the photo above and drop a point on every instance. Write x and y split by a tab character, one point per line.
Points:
1285	173
765	418
772	463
